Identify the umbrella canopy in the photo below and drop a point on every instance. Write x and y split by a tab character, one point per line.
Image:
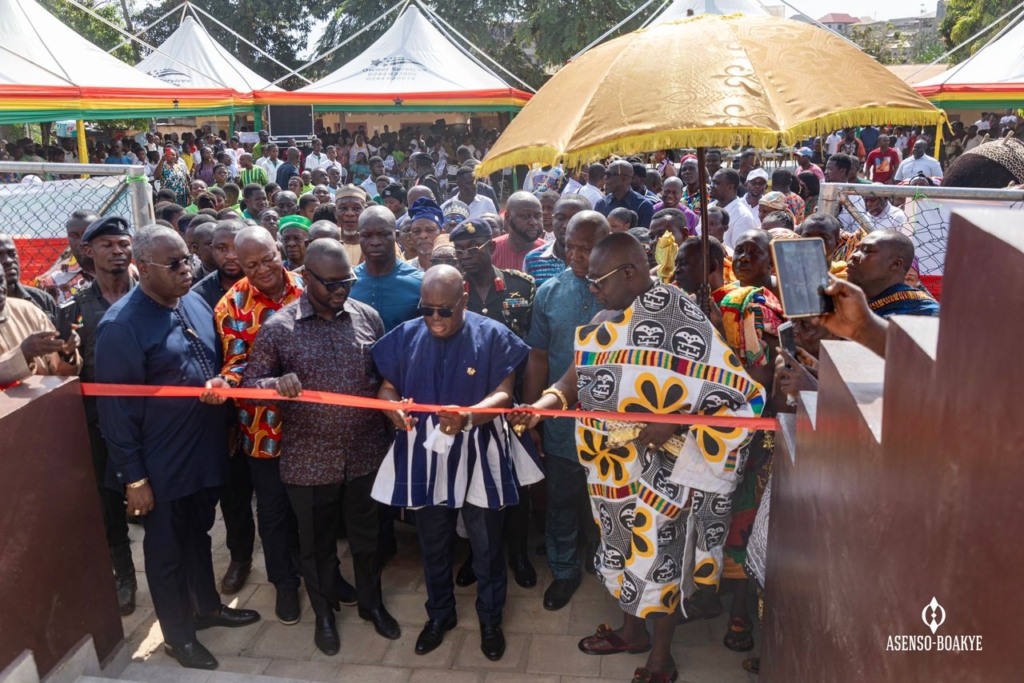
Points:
753	80
992	77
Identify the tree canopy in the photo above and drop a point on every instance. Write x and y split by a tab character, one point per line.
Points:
964	18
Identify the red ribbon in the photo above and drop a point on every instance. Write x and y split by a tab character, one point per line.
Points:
92	389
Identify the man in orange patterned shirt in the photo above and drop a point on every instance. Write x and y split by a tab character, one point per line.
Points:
266	288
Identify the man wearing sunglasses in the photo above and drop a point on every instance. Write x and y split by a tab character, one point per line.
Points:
617	184
169	455
454	460
329	454
652	483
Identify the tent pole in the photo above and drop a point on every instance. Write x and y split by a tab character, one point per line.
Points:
257	118
702	178
654	15
145	28
243	39
295	72
613	29
83	148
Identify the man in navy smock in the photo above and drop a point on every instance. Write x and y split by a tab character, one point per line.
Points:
168	454
450	461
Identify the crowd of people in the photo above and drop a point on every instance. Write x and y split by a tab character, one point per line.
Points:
584	290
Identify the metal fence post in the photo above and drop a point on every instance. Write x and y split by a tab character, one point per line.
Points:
141	197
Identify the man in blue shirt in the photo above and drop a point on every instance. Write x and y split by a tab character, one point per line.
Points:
620	193
389	286
562	304
168	454
117	156
544	263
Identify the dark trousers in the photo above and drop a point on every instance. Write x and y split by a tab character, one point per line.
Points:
568	510
276	521
179	562
236	506
316	511
435	525
115	516
517	525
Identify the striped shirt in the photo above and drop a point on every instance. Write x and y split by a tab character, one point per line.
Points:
542	264
253	175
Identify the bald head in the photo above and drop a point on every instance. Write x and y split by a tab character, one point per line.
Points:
618	249
621	167
521	198
418	192
251	236
442	283
897	245
377	215
591	222
675	183
327	254
324	229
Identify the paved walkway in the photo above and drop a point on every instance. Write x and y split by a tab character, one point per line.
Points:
541	644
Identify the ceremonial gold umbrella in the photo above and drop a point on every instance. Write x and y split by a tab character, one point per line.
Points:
706	81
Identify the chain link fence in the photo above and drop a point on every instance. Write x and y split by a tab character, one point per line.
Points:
923	215
36	200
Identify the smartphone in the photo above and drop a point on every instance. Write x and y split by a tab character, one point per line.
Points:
786	338
802	273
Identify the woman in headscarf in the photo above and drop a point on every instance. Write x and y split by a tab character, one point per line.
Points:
424	222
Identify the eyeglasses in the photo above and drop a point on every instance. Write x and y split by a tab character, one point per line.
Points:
596	281
176	264
428	311
471	251
333	285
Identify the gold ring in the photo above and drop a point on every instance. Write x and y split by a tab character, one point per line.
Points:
447	430
651	446
138	512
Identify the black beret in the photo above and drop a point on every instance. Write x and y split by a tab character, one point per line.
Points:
395	190
108	225
470	229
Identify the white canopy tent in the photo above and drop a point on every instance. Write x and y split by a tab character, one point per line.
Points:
38	50
191	58
412	56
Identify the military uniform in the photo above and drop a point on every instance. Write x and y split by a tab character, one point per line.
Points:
509	300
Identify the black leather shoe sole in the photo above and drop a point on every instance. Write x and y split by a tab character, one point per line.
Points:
194	658
432	635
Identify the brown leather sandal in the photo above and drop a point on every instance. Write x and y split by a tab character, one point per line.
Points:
607	642
645	675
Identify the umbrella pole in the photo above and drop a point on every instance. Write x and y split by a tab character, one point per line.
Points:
702	178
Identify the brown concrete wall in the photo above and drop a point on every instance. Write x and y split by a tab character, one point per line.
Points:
56	582
889	493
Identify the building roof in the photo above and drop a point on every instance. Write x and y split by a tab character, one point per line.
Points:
839	18
678	9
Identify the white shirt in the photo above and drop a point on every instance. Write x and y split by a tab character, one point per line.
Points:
269	166
370	186
592	193
846	220
740	221
572	187
328	165
477	208
983	124
316	160
233	168
974	142
910	167
1008	120
832	143
891	218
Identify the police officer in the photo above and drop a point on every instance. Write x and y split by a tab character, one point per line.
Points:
507	297
107	243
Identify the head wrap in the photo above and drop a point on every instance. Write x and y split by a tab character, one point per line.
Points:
294	222
773	200
425	207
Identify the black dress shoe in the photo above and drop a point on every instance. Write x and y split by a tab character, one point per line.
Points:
466	576
559	593
524	573
235	576
346	592
227	617
192	655
326	636
287	608
492	642
383	622
432	635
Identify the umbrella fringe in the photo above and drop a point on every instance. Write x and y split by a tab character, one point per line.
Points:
732	138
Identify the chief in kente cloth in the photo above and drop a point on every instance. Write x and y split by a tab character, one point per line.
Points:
441	463
659	492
